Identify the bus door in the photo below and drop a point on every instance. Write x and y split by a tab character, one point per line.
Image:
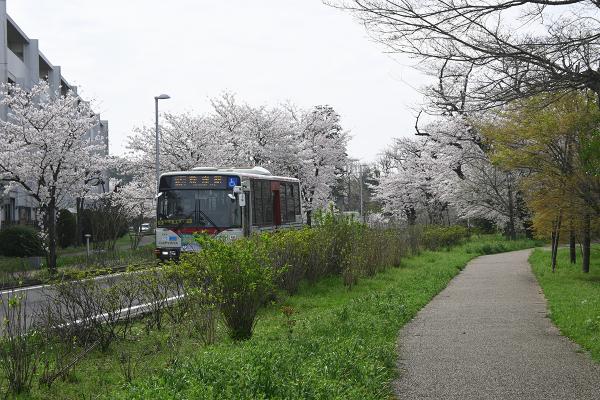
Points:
246	221
275	187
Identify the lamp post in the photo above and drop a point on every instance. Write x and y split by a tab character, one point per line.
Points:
360	181
360	173
156	98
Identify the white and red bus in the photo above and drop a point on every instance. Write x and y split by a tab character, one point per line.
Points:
227	203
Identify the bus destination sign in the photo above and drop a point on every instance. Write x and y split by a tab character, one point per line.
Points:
197	182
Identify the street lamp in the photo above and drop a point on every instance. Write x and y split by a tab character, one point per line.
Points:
156	98
360	181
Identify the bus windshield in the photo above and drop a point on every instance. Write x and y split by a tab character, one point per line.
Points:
202	208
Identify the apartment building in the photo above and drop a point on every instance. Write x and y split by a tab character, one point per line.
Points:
22	62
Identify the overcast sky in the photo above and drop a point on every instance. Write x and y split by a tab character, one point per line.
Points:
123	53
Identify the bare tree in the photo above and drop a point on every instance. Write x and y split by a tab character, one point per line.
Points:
510	48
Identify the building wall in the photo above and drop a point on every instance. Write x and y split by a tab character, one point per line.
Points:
22	62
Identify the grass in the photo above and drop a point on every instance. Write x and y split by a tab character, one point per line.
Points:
573	297
119	257
121	243
15	264
16	271
492	244
341	343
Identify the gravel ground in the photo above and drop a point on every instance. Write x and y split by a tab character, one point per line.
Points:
487	336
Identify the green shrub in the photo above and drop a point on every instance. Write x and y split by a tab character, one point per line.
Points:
291	253
435	237
66	228
240	276
337	245
20	241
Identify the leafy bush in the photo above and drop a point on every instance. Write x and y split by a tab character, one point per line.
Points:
91	310
20	241
240	277
19	345
291	253
66	227
336	246
435	237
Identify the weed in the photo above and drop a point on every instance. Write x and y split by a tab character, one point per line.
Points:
573	296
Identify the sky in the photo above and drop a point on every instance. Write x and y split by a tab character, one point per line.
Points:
121	54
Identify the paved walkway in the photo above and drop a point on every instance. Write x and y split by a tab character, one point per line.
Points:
486	336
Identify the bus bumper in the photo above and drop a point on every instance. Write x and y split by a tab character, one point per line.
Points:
167	254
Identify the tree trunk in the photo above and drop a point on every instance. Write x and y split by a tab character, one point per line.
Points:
552	236
51	226
309	217
79	226
586	243
411	216
511	230
572	247
555	238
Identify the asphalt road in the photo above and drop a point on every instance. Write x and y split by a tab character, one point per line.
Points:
487	336
36	297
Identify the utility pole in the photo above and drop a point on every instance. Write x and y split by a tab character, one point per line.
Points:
157	162
360	174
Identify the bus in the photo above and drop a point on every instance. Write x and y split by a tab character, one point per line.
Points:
228	203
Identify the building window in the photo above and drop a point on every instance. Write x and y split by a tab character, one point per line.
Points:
24	215
44	69
15	41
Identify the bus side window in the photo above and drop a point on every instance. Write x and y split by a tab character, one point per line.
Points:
257	203
291	202
283	201
297	198
267	202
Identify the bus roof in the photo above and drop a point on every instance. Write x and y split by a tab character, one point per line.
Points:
253	173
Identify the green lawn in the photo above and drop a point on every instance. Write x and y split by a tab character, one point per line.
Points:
574	297
16	271
342	344
121	243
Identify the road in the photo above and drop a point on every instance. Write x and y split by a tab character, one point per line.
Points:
487	336
36	297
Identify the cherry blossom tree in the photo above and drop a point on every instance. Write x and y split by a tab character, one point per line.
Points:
46	150
410	188
476	188
322	156
487	192
446	172
254	135
307	144
187	141
137	202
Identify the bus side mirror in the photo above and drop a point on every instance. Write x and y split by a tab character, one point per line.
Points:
239	190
